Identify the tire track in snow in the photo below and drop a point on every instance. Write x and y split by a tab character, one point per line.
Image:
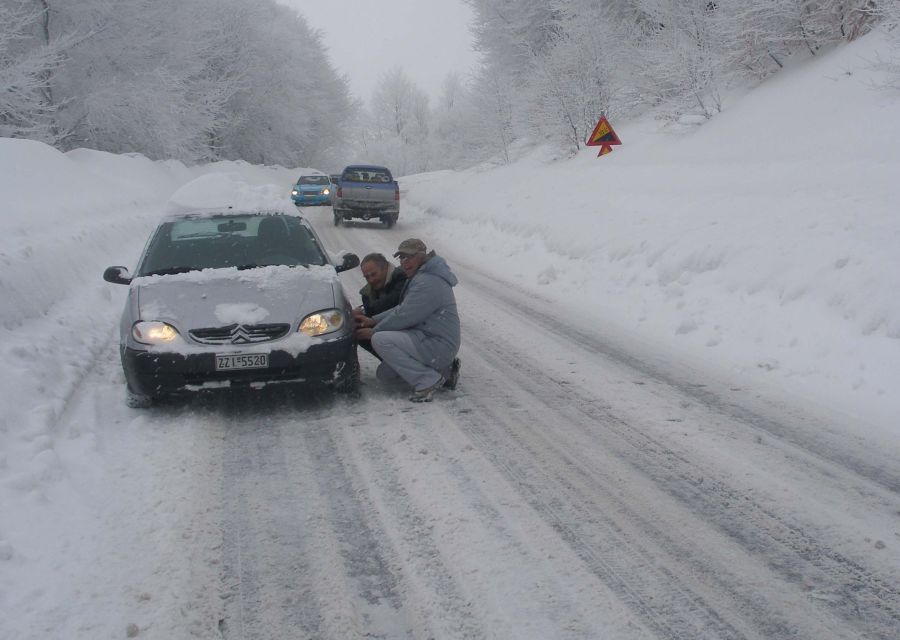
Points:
478	523
830	447
438	609
301	560
864	599
581	516
267	571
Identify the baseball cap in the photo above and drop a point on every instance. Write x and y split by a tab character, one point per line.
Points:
411	246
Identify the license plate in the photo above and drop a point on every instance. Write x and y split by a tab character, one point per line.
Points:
242	361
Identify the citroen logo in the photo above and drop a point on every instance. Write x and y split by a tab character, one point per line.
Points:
239	335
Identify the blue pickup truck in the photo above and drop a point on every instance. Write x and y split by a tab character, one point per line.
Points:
366	192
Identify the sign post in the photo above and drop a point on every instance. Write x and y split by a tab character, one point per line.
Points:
603	137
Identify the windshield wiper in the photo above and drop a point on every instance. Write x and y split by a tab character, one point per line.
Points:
203	234
168	271
271	264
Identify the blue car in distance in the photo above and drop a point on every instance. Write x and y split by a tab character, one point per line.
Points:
312	190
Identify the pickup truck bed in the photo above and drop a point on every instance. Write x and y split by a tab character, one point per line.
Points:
367	192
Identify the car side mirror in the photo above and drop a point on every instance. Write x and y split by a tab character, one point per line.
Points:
117	275
350	261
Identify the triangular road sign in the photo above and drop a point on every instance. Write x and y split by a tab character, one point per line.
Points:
603	136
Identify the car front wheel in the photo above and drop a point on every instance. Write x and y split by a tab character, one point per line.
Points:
348	380
137	400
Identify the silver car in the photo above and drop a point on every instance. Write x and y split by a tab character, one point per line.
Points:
222	299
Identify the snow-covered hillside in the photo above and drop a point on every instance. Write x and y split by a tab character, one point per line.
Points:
765	242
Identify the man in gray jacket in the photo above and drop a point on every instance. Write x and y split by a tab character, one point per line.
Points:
419	338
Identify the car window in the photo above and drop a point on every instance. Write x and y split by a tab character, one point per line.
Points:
245	242
313	180
283	240
208	227
377	176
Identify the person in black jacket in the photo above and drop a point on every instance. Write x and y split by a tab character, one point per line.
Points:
382	290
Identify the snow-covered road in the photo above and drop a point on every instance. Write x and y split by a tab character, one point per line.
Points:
576	485
677	416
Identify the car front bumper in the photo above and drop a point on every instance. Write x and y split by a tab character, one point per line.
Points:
156	374
311	199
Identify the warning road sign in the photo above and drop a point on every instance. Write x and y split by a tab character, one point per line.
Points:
603	136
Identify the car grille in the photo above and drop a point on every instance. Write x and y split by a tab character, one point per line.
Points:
240	333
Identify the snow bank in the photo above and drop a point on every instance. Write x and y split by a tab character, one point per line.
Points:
67	217
230	189
764	242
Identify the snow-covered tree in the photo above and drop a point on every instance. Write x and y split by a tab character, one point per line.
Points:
210	79
683	55
493	130
195	80
586	73
29	57
511	34
400	107
137	83
398	124
450	139
291	107
889	63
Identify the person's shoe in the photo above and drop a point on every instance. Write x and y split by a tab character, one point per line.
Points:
453	379
427	394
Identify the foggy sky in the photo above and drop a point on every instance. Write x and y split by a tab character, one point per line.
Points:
365	38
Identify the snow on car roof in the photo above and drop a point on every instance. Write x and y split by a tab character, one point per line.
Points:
219	212
271	277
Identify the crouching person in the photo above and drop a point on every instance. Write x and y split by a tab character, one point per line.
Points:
419	338
384	283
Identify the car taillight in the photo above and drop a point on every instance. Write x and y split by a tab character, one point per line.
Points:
396	194
340	192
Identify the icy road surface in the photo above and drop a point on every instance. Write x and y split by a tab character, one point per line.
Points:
572	487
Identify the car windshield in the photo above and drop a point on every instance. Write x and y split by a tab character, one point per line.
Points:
313	180
371	175
242	241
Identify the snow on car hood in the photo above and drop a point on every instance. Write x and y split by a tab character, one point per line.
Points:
220	297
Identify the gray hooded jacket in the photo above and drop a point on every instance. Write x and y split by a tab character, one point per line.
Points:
427	310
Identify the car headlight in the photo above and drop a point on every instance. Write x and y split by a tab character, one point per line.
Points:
154	332
294	192
325	192
322	322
